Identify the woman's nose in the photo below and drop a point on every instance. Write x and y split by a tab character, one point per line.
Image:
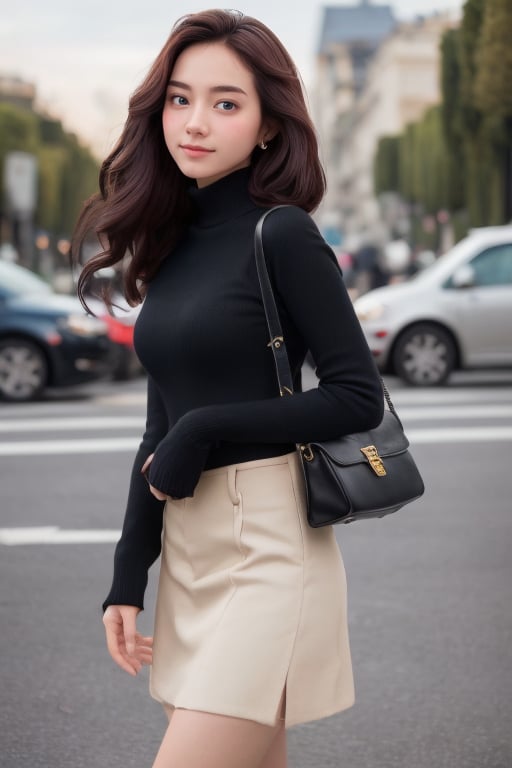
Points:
197	122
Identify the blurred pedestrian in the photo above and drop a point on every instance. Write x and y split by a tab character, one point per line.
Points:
368	271
251	629
398	259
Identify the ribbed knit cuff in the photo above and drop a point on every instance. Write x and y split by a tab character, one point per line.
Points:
178	462
128	588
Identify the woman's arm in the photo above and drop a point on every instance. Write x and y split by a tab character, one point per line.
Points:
306	277
140	542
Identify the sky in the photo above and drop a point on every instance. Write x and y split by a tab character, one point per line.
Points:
86	56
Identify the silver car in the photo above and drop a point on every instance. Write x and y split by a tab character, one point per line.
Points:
455	314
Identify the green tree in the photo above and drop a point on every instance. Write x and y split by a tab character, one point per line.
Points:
459	156
79	181
493	87
386	168
51	131
52	160
68	172
407	151
469	35
493	78
18	133
452	120
450	88
19	130
474	139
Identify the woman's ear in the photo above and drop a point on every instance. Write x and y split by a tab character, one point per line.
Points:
269	130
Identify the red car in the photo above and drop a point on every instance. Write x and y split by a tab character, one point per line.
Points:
120	332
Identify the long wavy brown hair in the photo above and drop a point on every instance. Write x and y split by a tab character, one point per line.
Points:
143	206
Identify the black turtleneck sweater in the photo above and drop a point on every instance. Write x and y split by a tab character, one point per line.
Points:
202	336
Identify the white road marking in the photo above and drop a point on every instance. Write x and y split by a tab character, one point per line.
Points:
52	534
120	399
119	444
440	396
456	412
58	447
460	435
84	423
127	398
64	424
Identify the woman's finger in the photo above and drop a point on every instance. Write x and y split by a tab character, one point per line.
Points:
146	464
129	626
144	649
157	494
142	644
116	652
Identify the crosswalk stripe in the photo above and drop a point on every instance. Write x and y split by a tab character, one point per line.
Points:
12	410
66	424
109	445
128	398
460	435
82	423
52	534
456	412
446	396
54	447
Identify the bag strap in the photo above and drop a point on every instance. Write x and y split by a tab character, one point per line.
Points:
277	342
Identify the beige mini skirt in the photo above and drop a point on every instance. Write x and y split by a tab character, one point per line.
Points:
251	600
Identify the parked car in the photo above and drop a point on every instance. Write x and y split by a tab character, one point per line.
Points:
455	314
46	339
120	321
120	325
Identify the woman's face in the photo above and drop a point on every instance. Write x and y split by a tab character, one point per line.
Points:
212	116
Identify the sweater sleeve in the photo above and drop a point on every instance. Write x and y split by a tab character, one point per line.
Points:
140	542
348	398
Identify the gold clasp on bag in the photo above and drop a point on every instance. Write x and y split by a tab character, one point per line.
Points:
374	460
307	452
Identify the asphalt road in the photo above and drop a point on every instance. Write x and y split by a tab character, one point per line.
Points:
429	592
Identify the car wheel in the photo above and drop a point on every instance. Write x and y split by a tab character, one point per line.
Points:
23	370
424	355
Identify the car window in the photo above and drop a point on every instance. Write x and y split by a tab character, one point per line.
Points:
16	281
493	266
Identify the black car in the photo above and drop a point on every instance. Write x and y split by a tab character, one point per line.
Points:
46	340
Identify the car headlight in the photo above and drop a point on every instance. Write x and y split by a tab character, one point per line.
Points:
84	325
368	312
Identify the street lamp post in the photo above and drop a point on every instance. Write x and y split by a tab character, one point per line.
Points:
20	183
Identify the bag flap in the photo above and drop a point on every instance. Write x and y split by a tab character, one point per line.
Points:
388	438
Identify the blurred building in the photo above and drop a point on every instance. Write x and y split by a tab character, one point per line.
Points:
14	90
400	81
349	38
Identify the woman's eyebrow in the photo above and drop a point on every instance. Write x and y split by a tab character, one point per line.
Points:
214	89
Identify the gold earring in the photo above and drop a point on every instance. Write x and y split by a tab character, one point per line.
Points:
262	145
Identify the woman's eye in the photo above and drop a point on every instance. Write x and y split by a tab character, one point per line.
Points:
226	106
180	101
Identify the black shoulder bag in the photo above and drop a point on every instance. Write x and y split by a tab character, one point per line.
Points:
355	477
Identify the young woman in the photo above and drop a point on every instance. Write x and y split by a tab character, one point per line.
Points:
251	628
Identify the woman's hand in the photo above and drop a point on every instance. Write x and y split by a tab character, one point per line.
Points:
145	467
127	647
180	458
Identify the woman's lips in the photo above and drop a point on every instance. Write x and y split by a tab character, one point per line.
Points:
192	151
